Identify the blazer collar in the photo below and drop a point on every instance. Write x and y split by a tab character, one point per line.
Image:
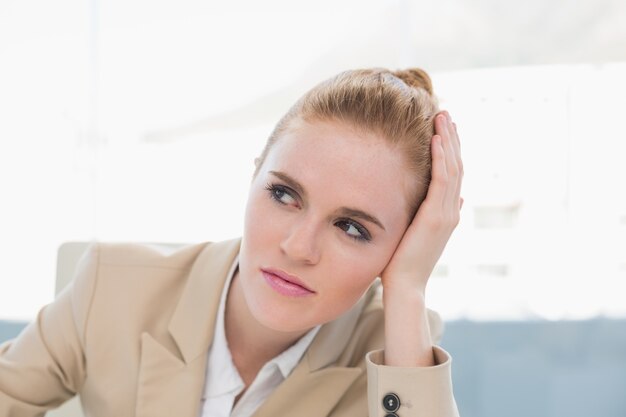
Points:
167	377
193	322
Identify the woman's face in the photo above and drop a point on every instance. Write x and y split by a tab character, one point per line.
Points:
325	213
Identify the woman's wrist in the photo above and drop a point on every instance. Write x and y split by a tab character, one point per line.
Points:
407	333
399	286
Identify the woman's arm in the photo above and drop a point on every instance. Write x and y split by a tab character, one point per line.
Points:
411	377
407	336
44	366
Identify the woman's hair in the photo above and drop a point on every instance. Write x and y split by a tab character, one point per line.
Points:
397	105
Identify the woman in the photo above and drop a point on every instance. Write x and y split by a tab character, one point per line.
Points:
288	320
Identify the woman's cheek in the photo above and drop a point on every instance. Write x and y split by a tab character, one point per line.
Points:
358	270
367	258
261	216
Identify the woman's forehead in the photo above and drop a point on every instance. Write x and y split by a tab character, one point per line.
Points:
332	144
337	161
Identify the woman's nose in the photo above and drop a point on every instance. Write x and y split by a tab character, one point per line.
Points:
301	244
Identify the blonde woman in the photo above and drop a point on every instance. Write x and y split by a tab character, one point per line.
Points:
318	310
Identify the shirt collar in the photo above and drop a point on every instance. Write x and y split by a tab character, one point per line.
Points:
222	376
289	358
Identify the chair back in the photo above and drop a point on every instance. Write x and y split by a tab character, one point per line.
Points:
68	256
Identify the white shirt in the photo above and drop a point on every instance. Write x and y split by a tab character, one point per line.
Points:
223	383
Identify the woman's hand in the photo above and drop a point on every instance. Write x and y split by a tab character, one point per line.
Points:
429	231
407	333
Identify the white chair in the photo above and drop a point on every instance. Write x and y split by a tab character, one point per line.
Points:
67	258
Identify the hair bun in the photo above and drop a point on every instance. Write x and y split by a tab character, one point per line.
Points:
415	77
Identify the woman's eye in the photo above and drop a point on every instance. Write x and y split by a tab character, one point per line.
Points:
281	194
354	230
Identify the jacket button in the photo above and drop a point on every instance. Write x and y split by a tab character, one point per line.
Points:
391	415
391	402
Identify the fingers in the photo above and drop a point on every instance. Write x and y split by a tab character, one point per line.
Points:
451	129
450	183
456	148
449	143
439	178
443	201
457	143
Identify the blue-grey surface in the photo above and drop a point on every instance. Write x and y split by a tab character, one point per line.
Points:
515	369
555	369
10	329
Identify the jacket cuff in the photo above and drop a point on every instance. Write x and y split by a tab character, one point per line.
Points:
410	391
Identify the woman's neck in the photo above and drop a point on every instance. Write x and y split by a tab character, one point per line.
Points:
250	343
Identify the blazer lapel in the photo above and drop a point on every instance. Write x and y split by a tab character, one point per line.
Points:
193	321
165	381
309	394
175	378
316	384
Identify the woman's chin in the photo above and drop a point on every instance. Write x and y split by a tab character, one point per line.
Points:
280	321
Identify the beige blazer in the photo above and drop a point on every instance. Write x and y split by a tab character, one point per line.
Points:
132	332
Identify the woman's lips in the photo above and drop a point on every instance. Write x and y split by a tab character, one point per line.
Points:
285	284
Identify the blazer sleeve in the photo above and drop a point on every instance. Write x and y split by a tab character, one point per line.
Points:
412	391
45	366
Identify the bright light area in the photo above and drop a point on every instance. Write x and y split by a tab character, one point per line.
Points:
122	126
543	150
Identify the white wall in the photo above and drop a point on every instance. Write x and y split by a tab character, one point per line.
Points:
131	120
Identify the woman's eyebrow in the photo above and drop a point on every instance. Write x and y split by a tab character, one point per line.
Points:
343	211
351	212
297	187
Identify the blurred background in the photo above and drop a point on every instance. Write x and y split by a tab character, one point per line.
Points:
139	120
